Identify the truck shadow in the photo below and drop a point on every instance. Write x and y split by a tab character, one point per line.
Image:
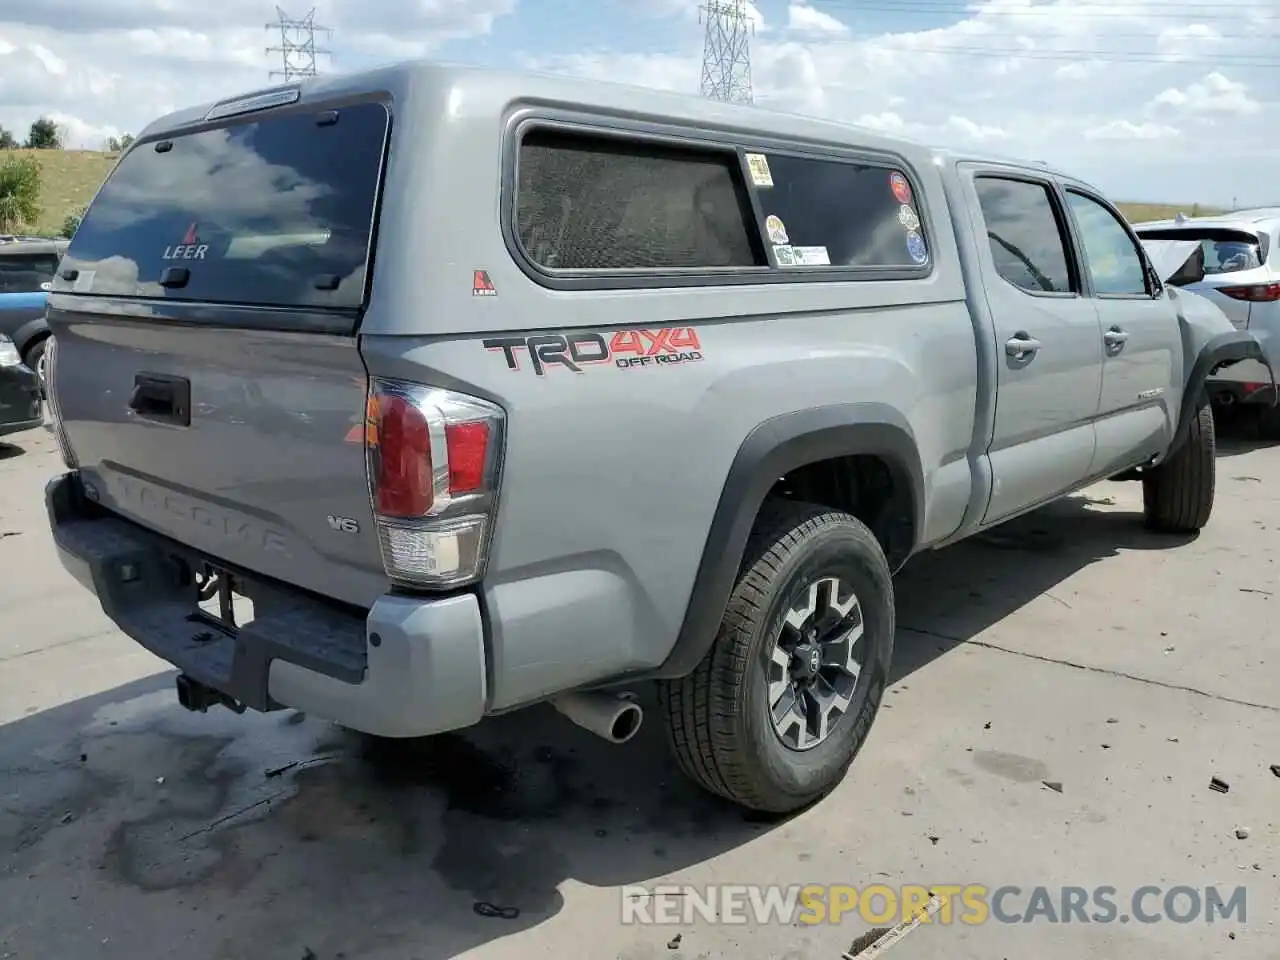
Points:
946	598
280	836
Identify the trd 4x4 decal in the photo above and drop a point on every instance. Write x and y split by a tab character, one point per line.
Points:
624	348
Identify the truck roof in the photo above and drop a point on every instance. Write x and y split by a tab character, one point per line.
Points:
461	85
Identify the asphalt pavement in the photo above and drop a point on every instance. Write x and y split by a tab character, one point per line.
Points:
1066	689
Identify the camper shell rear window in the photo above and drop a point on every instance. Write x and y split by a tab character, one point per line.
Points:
277	211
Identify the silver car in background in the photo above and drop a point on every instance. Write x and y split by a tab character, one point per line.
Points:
1242	277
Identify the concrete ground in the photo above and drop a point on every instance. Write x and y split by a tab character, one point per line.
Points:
1070	647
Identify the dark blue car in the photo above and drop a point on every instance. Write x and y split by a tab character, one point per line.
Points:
27	266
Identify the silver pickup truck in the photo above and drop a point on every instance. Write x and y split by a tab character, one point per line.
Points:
420	395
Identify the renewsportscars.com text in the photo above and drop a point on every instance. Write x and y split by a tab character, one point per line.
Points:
969	904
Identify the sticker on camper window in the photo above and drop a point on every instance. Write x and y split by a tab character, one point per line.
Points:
916	248
785	256
901	189
811	256
777	229
758	164
907	217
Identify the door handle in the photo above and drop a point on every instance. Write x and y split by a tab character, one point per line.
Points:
162	398
1020	346
1115	338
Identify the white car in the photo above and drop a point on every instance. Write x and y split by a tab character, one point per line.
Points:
1242	277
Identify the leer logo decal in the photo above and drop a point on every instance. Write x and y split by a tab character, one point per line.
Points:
189	249
625	348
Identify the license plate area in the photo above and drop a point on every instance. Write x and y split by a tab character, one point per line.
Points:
219	600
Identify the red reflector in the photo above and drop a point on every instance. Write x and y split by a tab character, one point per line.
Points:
468	445
402	458
1254	293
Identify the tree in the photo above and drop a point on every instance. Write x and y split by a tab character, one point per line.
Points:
7	140
72	223
19	192
44	135
119	144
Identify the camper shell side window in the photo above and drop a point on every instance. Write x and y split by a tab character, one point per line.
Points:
604	208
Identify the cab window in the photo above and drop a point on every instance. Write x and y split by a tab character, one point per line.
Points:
1113	260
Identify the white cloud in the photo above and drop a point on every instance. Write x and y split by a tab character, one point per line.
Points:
804	19
108	66
976	132
1126	130
1214	94
1097	89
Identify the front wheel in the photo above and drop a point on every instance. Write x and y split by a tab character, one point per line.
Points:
776	711
1177	496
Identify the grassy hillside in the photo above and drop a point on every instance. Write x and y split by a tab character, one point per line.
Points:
1141	212
68	181
70	178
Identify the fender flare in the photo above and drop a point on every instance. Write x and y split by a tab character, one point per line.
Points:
770	451
1222	350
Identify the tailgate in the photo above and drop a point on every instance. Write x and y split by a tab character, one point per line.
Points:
266	458
208	377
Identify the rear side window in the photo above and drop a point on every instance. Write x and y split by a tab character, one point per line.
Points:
598	203
1025	234
838	213
1114	262
25	273
277	212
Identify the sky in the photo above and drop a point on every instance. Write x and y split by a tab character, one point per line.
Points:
1151	100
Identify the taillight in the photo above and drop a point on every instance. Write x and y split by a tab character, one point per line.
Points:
51	399
434	460
1253	293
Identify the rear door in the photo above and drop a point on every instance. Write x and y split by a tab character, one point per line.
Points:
1141	340
1048	344
205	313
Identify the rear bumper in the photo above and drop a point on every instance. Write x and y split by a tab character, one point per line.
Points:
407	668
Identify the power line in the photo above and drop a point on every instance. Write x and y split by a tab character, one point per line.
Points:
297	47
1127	9
726	52
1255	60
1106	56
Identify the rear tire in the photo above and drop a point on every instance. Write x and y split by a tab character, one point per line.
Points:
821	569
1177	496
